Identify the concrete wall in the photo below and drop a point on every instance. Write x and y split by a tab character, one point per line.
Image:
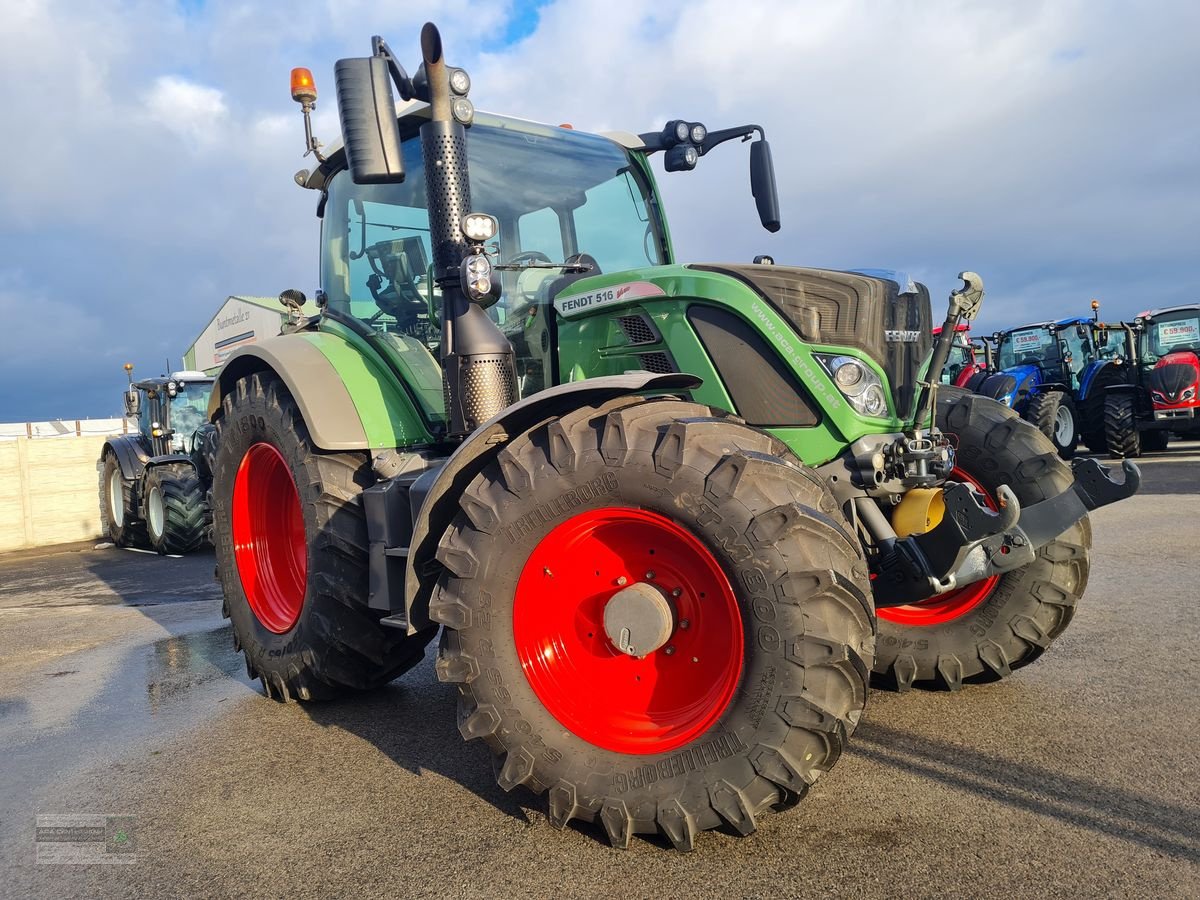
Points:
49	491
66	428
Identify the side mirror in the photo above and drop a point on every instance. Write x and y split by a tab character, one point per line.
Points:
368	116
762	185
1081	331
133	404
1102	337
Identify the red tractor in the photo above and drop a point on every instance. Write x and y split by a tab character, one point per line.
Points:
968	362
1164	393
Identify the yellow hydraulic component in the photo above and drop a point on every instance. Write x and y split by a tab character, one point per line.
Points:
920	511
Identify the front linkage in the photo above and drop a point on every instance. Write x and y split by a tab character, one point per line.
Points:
963	541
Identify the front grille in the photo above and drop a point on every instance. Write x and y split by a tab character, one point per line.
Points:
658	363
852	310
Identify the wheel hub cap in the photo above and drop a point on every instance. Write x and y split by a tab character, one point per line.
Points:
639	619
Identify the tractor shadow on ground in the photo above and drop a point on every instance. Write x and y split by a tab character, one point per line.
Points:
412	722
1168	828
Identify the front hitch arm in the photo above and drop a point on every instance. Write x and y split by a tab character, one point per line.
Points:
972	542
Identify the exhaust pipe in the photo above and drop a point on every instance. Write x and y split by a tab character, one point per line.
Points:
478	362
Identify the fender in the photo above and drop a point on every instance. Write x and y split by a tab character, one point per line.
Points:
1091	374
130	453
443	487
169	458
347	396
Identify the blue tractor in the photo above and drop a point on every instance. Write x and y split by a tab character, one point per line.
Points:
1055	374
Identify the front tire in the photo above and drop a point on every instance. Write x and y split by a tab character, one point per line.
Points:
1120	426
291	542
1056	417
175	509
759	673
117	519
984	631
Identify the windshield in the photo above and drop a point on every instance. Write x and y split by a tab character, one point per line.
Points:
1173	331
1033	345
189	410
554	192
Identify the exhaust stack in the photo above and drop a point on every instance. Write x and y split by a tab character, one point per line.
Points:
478	362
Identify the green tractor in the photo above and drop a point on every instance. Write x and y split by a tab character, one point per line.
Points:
154	483
668	518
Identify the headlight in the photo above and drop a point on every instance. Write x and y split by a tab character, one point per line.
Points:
699	133
479	227
1158	397
1188	393
681	131
859	384
460	81
463	110
477	277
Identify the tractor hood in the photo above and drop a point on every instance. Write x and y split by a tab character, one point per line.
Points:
1173	377
1012	385
885	315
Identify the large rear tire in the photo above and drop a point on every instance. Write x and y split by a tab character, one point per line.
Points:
984	631
117	518
176	511
1120	426
1054	414
717	537
291	544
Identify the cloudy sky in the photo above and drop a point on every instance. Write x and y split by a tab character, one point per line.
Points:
1052	146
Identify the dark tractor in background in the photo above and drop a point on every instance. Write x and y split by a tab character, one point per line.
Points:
1056	375
154	482
1162	393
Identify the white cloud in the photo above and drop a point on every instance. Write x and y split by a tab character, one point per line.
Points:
192	111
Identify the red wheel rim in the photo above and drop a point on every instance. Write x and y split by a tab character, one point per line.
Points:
612	700
953	604
268	538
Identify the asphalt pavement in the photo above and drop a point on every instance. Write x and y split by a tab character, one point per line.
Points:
121	695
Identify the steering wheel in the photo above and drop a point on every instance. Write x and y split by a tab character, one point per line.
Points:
529	256
527	284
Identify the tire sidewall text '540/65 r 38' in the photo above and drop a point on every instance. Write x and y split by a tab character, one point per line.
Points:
704	488
291	542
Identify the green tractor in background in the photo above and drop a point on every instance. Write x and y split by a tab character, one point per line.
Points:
668	518
154	483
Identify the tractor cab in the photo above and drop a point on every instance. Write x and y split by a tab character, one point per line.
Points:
169	409
967	363
1049	352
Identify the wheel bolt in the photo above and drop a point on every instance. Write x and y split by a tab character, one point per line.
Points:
650	575
670	650
676	592
622	581
695	659
684	623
